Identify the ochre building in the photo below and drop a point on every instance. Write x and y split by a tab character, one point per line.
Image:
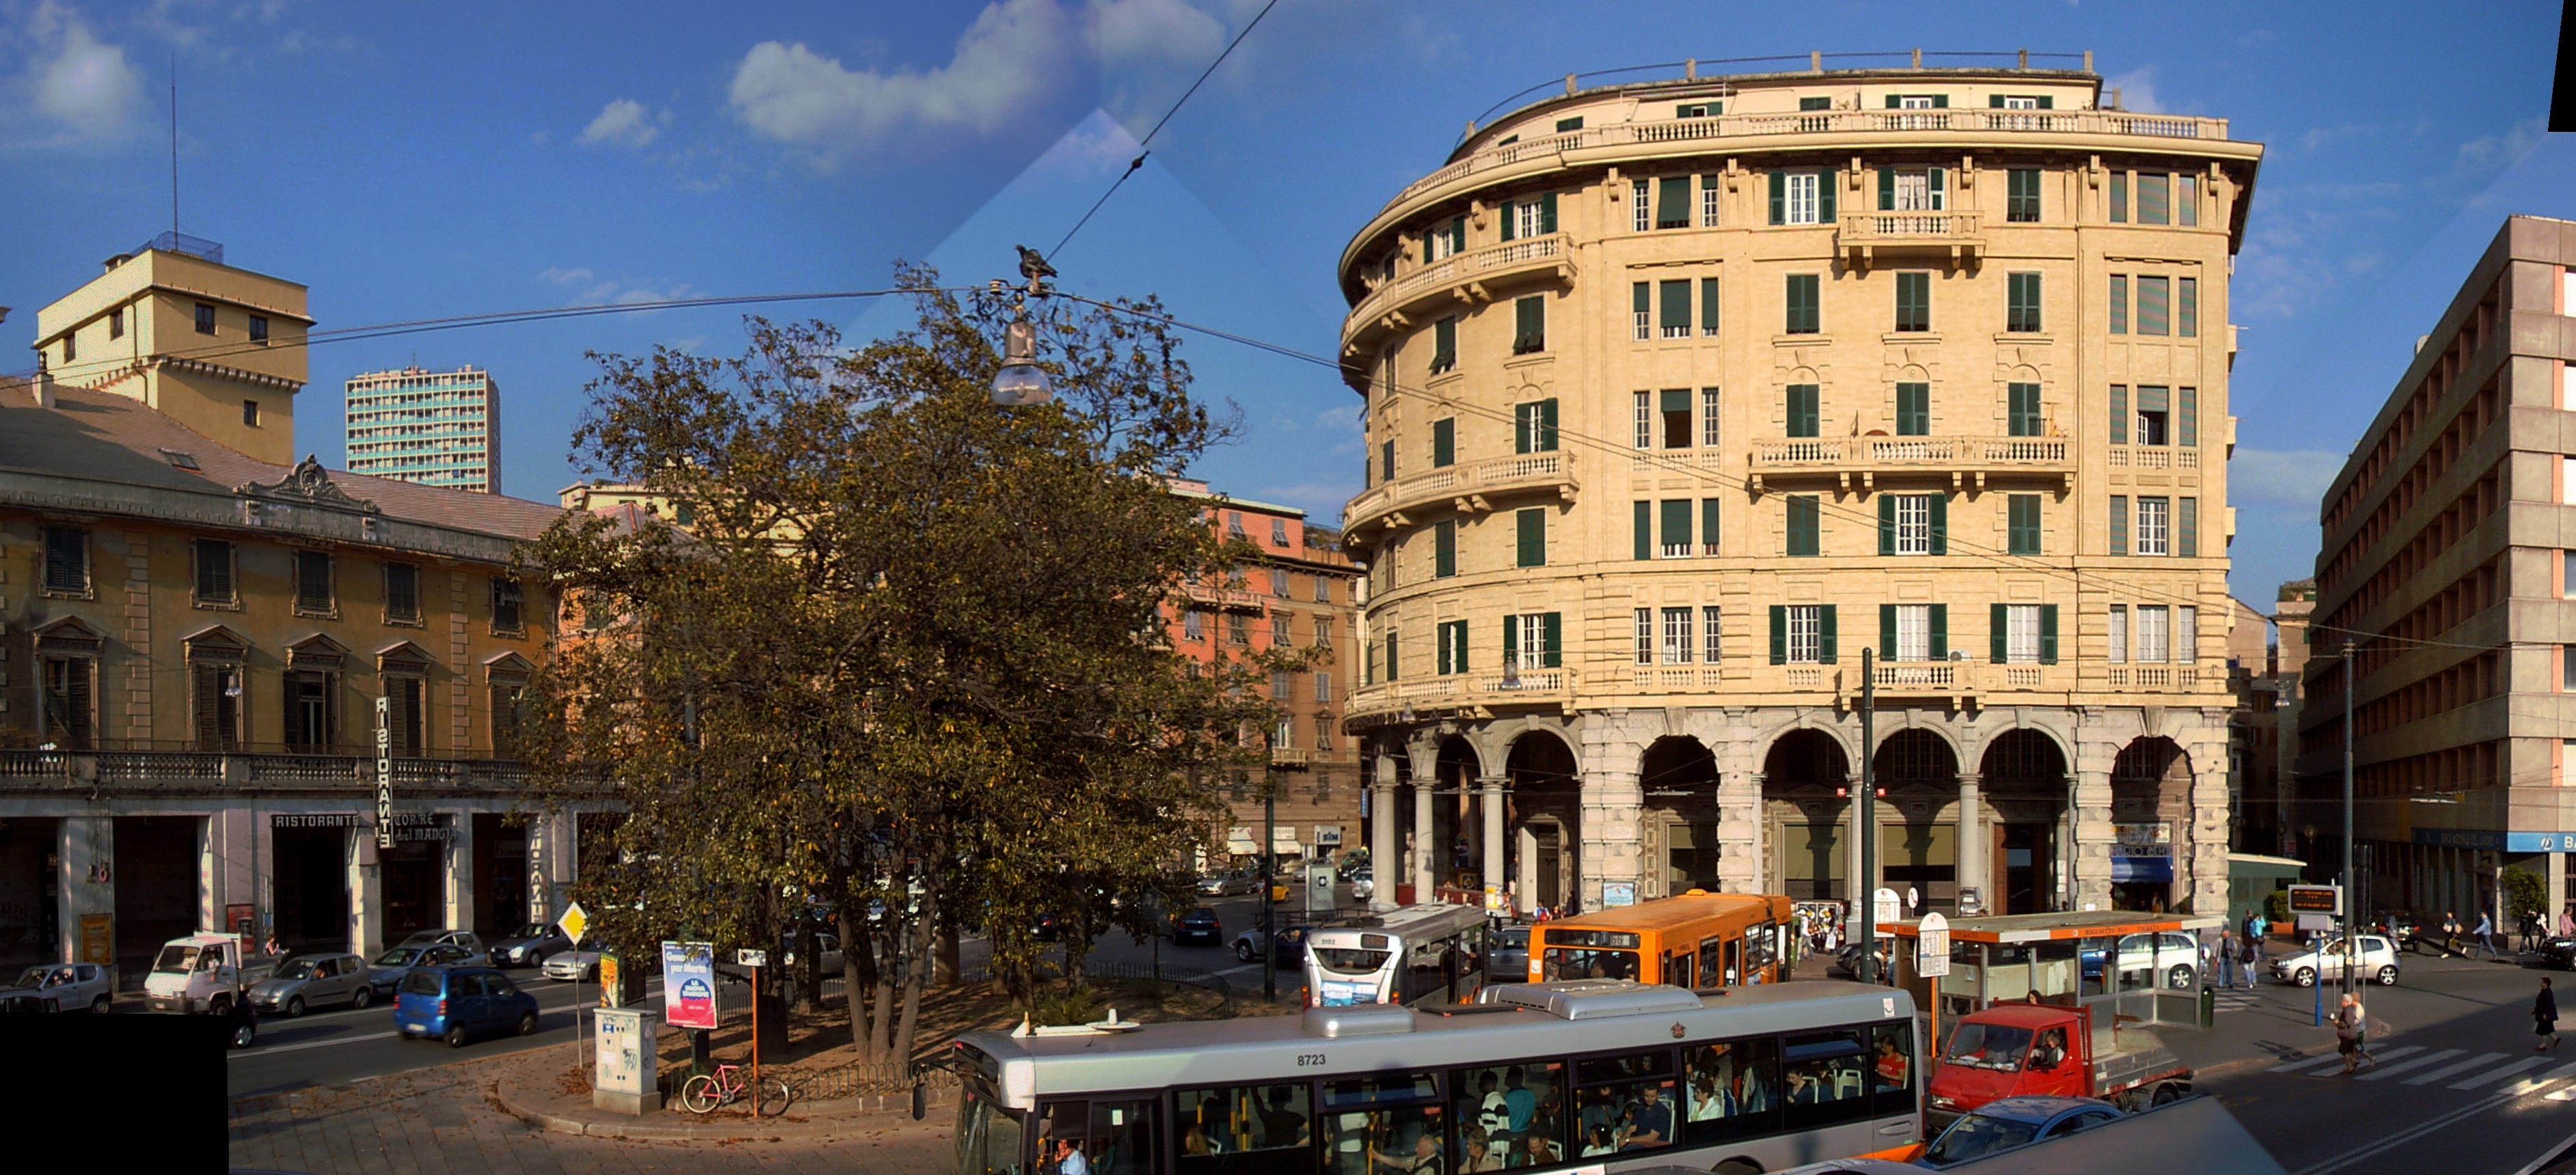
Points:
1682	394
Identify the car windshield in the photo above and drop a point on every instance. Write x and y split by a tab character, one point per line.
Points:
1977	1135
397	957
178	957
35	976
1999	1047
1512	937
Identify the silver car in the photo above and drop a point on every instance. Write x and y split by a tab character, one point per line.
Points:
573	967
321	979
64	987
1228	884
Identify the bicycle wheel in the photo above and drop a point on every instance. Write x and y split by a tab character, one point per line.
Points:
774	1096
701	1094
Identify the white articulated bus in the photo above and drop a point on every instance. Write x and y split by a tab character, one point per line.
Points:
1588	1076
1417	954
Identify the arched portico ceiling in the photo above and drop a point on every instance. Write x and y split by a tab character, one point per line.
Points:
1677	764
1540	756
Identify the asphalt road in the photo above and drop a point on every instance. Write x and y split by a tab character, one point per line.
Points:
337	1047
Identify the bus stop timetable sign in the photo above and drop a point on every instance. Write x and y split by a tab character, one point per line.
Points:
1932	955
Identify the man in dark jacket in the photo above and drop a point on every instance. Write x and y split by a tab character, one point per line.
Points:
2544	1017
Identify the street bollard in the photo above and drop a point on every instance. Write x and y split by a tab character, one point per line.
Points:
2208	1006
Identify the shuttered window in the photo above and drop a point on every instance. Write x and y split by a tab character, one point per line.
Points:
1913	409
1676	317
2187	417
2021	302
1450	647
2119	414
1529	317
70	703
1708	307
2119	524
1804	417
1444	443
408	720
2187	307
509	606
1643	532
2021	527
1641	310
2186	527
1708	525
1444	345
218	706
1802	316
1803	634
1803	537
66	559
1676	529
2155	306
215	572
313	594
2021	409
1913	301
1802	197
2155	198
1534	426
2119	307
1444	549
2021	195
313	710
1673	202
2119	197
1532	536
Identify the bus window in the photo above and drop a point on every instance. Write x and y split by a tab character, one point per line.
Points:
1714	968
988	1135
1625	1103
1244	1130
1892	1063
1679	970
1759	951
1576	963
1504	1110
1823	1078
1383	1126
1732	1091
1111	1138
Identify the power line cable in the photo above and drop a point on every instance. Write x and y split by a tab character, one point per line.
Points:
1144	145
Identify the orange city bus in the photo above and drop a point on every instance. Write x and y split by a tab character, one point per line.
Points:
1696	940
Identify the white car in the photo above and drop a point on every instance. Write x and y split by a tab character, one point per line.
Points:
2378	962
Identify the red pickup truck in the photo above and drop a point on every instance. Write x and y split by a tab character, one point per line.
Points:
2013	1049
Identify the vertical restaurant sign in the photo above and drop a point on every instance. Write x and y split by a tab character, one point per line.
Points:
384	771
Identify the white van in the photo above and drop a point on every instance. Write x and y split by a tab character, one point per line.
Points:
203	973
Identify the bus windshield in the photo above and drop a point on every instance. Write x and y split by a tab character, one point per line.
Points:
988	1135
1563	963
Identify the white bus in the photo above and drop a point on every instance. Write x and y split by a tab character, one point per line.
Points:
1594	1075
1411	955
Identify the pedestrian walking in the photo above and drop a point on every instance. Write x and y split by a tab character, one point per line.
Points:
2256	926
2450	933
2544	1017
2349	1019
2227	959
2486	935
2567	922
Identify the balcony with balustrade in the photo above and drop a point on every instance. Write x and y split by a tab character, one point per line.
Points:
1459	280
160	772
1472	487
1460	695
1224	597
1953	683
1864	237
1857	462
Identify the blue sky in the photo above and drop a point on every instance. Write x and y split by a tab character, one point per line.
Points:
428	160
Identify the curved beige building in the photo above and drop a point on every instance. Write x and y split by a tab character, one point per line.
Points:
1680	394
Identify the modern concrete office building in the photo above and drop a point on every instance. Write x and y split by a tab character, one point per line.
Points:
2450	562
435	428
1681	393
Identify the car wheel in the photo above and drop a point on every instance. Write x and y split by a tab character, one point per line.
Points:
2165	1094
528	1024
243	1034
2179	978
294	1006
362	997
221	1005
1243	951
2306	977
2388	977
456	1036
99	1005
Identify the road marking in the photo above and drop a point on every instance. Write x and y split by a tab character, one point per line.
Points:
2455	1069
2501	1072
2310	1063
2402	1137
2376	1059
261	1051
2539	1081
2383	1073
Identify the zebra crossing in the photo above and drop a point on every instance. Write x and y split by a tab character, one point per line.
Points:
2420	1066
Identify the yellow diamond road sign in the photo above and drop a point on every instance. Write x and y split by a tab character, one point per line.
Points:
573	923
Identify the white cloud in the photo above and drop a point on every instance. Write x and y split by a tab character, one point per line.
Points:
2499	151
556	275
1149	52
2282	477
625	123
1017	54
78	81
2137	90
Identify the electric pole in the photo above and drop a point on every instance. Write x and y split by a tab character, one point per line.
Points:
2351	960
1865	887
1269	871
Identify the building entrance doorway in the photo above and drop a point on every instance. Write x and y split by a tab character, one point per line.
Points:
411	877
310	886
30	894
500	875
2026	861
155	873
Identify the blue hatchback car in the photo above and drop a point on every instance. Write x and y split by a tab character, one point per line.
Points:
459	1002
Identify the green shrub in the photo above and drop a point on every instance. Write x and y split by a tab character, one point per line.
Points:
2276	908
1066	1007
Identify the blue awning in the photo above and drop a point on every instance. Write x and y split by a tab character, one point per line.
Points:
2148	869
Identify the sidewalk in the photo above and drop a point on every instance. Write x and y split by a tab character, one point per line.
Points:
453	1118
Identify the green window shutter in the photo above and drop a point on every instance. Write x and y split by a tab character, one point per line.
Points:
2154	399
1825	197
1458	235
1391	662
1645	532
1887	189
1805	417
2023	531
1803	537
1802	316
1547	425
1547	213
2119	414
2187	418
1533	537
2047	102
1641	300
1887	524
1935	182
2119	304
1998	633
1524	421
1994	101
1444	345
1940	101
1708	306
1368	666
2119	524
2155	305
1673	400
1427	235
1512	641
1940	524
1672	202
1444	550
1895	101
1708	524
2048	634
1458	644
1386	460
1940	632
2187	307
2187	527
2119	197
1529	325
2021	409
1779	197
1779	634
1887	632
1444	447
1507	220
1677	306
1677	524
1440	649
1826	650
1913	410
1551	634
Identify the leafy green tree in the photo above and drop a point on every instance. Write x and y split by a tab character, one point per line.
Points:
897	654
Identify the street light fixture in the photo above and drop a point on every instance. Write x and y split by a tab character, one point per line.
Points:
1021	383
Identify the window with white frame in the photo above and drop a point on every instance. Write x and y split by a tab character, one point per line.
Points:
2020	102
1444	243
1645	420
1642	204
1645	636
1708	201
1285	735
1914	102
2021	634
2119	634
1194	625
2153	514
1913	524
1806	633
2155	633
2186	633
1799	206
1914	632
1708	418
1526	221
1323	686
1709	628
1914	191
1531	651
1678	646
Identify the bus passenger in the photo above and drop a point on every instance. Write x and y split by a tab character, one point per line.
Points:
1481	1155
1891	1064
1651	1121
1425	1159
1281	1125
1600	1140
1194	1141
1538	1150
1518	1100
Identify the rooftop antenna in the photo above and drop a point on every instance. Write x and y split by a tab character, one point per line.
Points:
174	142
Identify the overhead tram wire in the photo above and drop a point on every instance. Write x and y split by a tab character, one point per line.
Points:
1144	146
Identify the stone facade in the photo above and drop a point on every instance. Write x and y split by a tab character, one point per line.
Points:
1673	388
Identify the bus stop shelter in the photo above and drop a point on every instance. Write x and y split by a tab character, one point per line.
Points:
2131	969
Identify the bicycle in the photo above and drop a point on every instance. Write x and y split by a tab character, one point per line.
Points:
705	1092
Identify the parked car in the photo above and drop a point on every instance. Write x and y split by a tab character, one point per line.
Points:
458	1002
388	968
1199	925
2401	926
2172	956
203	973
302	981
1363	887
573	967
1231	883
64	987
2559	953
1507	952
462	938
1292	945
530	946
827	951
2305	967
2014	1122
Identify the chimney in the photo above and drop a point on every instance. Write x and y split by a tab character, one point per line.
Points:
42	384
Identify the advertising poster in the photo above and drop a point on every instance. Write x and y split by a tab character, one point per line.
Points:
689	984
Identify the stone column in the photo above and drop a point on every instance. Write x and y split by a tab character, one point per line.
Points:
1383	846
1525	872
366	893
85	845
1613	842
459	852
1973	871
2091	852
1493	860
2556	884
2207	861
1740	867
1427	851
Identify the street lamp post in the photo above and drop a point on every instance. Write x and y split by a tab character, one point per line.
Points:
2351	960
1269	868
1865	887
